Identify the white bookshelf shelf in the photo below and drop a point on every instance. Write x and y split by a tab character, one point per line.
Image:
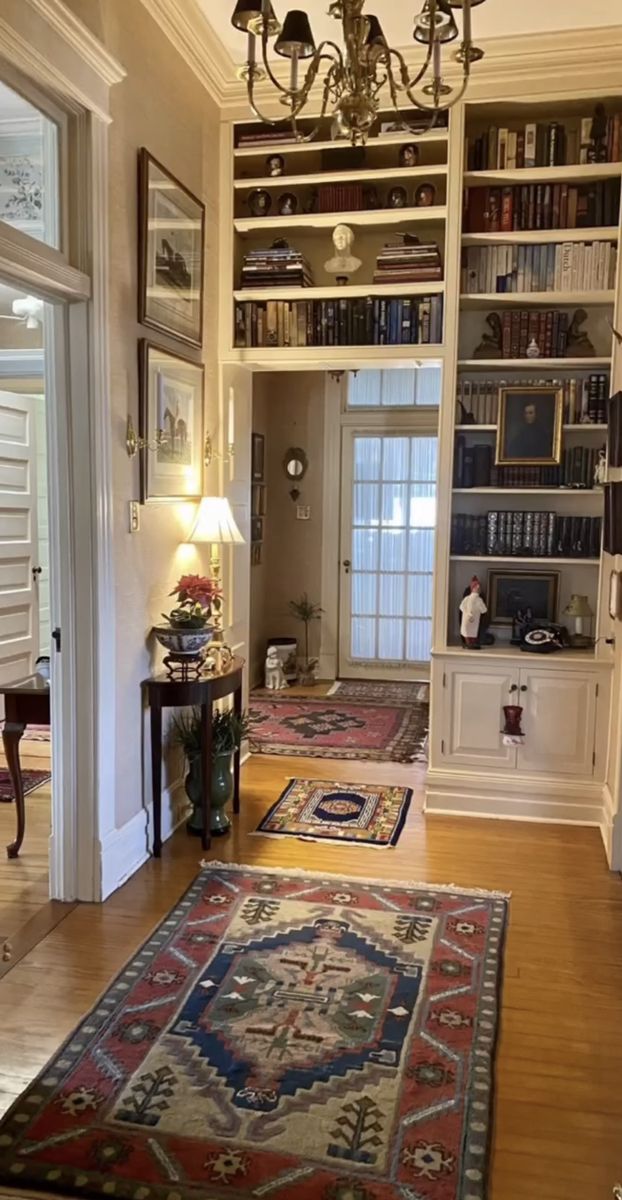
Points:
349	292
589	426
300	358
511	558
542	365
402	175
386	139
529	491
602	233
314	223
541	299
574	173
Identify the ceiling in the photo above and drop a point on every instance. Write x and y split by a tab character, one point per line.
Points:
495	18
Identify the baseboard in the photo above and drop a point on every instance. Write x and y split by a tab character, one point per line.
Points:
549	802
611	830
126	849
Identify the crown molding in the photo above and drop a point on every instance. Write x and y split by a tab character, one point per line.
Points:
80	38
187	29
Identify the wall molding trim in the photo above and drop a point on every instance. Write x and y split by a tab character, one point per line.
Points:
80	38
611	830
193	38
558	802
124	850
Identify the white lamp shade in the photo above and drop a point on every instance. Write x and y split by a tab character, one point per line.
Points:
215	523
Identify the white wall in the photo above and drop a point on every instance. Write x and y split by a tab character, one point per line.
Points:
43	536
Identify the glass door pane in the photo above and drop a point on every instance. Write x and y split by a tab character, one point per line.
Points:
393	518
29	175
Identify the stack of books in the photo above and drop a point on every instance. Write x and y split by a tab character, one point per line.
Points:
556	267
585	399
279	266
365	321
402	261
264	136
474	468
541	206
504	534
546	145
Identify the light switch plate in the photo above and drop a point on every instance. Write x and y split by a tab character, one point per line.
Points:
134	511
303	512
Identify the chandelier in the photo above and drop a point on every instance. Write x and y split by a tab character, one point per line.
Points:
362	76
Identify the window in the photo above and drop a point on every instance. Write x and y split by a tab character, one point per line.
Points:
29	187
417	388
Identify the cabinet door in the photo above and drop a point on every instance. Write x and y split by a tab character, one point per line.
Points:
474	701
559	722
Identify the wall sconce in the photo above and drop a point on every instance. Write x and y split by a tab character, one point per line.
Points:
209	453
134	443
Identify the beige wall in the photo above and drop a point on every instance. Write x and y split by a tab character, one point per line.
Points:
162	106
291	407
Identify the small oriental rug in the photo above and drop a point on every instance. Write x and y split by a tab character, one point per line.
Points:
335	729
31	781
281	1034
339	812
378	691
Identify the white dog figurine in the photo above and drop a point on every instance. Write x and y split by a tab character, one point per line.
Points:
275	679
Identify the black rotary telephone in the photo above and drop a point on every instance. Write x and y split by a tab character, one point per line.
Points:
543	637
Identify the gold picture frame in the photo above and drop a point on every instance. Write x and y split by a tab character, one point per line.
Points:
529	430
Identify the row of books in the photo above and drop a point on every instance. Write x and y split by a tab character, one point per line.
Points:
558	267
367	321
474	467
584	399
541	206
547	329
341	197
279	266
592	139
405	262
526	535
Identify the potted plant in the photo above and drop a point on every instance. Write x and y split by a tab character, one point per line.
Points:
228	730
306	611
188	630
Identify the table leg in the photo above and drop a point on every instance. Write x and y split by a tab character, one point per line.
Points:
11	735
237	708
156	777
206	771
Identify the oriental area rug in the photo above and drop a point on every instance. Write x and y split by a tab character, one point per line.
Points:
363	814
333	728
381	692
281	1034
30	779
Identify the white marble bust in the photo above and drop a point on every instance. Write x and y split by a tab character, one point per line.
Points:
343	261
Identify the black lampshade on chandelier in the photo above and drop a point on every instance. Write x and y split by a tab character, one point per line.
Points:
364	74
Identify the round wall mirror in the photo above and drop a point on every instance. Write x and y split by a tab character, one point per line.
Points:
295	463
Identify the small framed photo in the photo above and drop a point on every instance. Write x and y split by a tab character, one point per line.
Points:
171	411
258	465
514	595
615	596
171	228
529	432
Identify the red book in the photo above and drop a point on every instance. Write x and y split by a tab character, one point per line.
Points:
507	209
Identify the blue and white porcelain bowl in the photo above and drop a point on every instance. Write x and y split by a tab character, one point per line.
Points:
188	642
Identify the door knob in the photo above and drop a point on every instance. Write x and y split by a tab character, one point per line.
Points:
347	564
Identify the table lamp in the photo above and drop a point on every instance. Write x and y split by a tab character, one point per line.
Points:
215	524
579	609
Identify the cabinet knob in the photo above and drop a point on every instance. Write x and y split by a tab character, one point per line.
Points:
513	687
524	687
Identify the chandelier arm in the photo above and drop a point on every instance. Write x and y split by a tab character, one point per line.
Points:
436	109
408	83
314	132
253	106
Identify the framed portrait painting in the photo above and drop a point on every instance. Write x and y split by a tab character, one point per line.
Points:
171	420
529	431
171	228
514	594
258	445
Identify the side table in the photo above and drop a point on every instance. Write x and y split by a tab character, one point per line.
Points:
162	691
26	702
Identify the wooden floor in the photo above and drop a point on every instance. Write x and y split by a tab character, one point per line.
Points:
558	1133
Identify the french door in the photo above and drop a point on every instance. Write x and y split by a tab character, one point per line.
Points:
388	518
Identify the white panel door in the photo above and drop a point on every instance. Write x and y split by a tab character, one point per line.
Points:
559	722
474	700
387	554
19	625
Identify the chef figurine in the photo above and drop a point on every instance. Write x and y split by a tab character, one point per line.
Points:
472	609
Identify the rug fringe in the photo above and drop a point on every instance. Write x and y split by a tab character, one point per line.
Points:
298	872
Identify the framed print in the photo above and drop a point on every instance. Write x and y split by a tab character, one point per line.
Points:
171	409
257	458
514	593
258	500
171	227
615	596
529	432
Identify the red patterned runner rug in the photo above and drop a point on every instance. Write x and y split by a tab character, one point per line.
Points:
327	728
280	1034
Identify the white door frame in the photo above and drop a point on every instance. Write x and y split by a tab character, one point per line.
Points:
53	50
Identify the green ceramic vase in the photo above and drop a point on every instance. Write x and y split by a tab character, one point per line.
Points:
222	791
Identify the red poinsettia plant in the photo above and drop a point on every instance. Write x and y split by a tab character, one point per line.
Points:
196	595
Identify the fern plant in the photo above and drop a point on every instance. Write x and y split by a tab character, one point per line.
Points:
228	731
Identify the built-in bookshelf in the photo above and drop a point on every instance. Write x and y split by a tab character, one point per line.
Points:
538	279
393	198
